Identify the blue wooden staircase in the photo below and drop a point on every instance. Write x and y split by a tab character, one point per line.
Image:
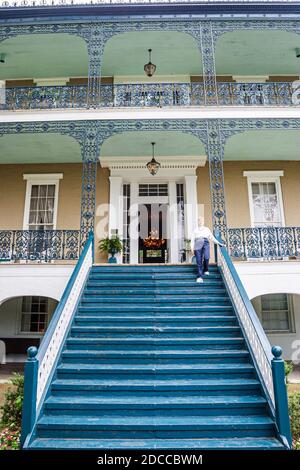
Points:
153	360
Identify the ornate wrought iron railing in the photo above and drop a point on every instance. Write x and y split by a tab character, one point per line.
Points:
147	95
39	245
267	360
40	365
264	242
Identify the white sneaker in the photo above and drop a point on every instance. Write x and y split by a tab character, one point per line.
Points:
206	273
199	279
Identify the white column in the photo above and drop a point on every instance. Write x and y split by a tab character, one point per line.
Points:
173	224
191	205
134	223
115	222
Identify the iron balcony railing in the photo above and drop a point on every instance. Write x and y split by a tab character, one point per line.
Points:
39	245
269	243
147	95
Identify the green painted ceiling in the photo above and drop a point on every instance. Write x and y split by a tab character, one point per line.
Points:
258	53
39	148
172	53
44	56
237	53
264	145
56	148
137	144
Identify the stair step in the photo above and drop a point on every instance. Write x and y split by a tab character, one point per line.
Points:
156	320
101	385
150	268
151	276
149	371
253	443
136	401
140	301
154	340
162	426
210	283
155	309
156	405
150	291
157	331
161	356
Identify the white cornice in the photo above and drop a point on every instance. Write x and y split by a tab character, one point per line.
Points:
211	112
167	162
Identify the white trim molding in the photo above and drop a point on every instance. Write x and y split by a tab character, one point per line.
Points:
48	177
265	176
40	178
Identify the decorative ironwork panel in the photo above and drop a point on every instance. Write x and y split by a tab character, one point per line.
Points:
215	150
264	242
148	95
152	95
6	244
90	153
39	245
207	48
95	44
45	97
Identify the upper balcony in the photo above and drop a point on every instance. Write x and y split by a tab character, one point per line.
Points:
51	71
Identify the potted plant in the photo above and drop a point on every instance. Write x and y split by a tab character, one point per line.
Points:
111	246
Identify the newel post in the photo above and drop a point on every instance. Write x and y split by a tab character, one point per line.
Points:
280	394
30	393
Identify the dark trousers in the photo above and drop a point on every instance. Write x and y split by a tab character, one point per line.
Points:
202	258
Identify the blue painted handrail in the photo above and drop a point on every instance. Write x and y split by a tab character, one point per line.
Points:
46	358
267	360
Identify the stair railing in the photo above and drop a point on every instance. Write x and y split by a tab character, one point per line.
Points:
267	360
41	363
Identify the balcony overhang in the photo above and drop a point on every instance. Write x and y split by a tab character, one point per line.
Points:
152	8
212	112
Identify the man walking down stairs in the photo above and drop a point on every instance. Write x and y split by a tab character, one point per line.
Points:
154	360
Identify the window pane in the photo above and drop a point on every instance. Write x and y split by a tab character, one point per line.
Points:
42	202
265	204
35	314
275	312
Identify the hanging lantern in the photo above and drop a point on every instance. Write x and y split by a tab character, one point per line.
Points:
153	166
149	68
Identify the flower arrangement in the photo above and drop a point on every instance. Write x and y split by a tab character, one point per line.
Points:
152	241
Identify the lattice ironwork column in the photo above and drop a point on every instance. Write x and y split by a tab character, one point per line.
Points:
207	47
90	151
95	45
215	146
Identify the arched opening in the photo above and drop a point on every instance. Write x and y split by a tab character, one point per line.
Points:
158	212
40	201
23	322
32	58
44	71
178	69
257	67
279	313
263	168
